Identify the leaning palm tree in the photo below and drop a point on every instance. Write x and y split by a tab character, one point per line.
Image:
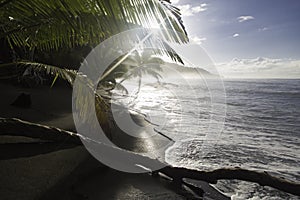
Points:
135	66
39	34
35	30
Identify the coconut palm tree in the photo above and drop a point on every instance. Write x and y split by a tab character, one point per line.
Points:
41	34
136	65
35	28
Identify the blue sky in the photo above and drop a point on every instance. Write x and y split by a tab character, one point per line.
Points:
244	29
246	38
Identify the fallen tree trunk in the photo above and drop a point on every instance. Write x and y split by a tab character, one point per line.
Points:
262	178
16	127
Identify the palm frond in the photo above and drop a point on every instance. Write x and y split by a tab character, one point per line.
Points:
17	69
54	24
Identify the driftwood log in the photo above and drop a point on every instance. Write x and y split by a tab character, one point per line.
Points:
17	127
262	178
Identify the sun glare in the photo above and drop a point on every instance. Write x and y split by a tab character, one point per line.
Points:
154	24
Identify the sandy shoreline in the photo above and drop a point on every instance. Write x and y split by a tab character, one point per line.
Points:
70	173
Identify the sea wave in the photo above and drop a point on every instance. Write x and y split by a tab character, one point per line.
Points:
261	130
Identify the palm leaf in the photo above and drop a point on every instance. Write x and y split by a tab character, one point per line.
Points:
17	69
54	24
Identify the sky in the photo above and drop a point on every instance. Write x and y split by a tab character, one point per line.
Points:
261	35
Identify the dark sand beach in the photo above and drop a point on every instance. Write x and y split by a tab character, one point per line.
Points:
36	169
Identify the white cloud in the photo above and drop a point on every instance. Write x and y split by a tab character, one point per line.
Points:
174	1
260	68
198	40
187	10
263	29
236	35
245	18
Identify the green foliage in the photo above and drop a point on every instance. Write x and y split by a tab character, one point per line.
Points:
55	24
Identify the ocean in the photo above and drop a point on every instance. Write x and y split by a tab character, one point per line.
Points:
251	124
